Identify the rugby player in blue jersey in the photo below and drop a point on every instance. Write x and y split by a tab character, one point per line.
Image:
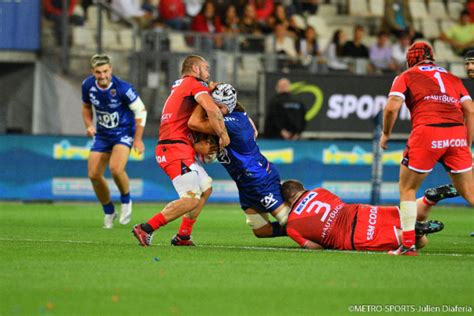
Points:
120	119
257	179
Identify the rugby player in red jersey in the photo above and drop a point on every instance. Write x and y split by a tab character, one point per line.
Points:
176	156
321	220
442	115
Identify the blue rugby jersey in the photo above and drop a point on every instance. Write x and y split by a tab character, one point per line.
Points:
111	105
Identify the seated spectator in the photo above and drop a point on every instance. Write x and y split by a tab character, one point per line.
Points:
286	115
470	10
380	54
333	52
193	7
461	35
250	26
53	11
131	9
399	51
208	22
397	18
293	29
263	9
230	27
308	46
356	47
278	16
281	44
173	13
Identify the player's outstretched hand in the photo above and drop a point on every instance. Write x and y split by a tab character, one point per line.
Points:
90	131
138	146
383	141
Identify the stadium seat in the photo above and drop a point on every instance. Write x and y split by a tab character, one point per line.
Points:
454	9
377	8
457	69
443	52
327	10
299	20
178	43
430	28
437	10
358	8
418	9
319	24
83	37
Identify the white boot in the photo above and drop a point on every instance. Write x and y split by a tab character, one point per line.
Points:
126	213
109	220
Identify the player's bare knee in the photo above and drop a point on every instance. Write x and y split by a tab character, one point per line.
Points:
421	242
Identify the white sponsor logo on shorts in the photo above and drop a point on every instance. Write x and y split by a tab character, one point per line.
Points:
268	201
454	142
161	159
127	140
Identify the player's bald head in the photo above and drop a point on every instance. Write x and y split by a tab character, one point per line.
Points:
290	188
190	61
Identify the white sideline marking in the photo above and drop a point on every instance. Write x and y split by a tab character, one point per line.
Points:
239	247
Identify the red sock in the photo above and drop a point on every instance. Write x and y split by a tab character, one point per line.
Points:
157	221
408	238
428	202
186	226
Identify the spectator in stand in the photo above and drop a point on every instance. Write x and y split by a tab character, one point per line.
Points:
208	22
222	5
53	11
294	29
380	54
399	51
263	9
283	45
131	9
397	18
333	52
193	7
356	47
460	36
286	115
250	26
173	13
308	46
278	16
470	10
230	27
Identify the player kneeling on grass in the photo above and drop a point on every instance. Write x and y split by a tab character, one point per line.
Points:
321	220
258	181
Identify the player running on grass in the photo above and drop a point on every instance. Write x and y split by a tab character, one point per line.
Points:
121	118
442	115
258	181
321	220
175	153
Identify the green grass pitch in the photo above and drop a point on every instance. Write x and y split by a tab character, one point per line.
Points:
57	260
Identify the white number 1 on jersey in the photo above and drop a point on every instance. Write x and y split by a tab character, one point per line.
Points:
437	75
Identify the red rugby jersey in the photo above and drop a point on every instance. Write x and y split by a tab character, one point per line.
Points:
178	109
432	94
322	217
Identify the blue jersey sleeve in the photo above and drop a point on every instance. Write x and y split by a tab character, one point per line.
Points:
85	91
129	95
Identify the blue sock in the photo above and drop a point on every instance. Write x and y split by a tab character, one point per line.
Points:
108	208
125	198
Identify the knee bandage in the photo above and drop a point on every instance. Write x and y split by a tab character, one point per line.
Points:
282	215
256	221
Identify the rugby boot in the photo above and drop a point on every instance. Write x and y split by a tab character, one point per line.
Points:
442	192
143	237
182	241
403	251
428	227
125	213
109	220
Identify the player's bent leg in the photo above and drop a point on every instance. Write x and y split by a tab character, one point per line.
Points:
421	242
118	161
259	222
464	184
